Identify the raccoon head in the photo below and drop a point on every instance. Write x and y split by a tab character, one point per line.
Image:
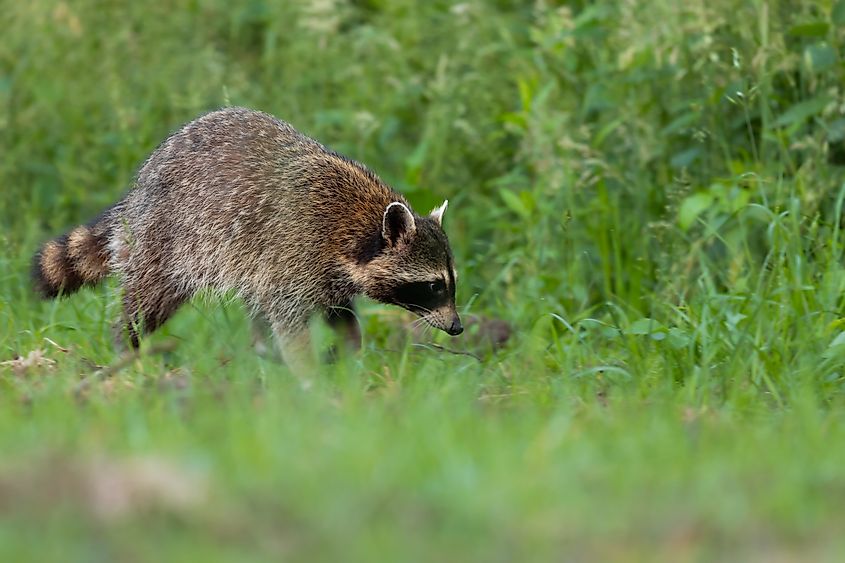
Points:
414	268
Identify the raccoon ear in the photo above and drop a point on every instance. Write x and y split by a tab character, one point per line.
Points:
398	224
437	212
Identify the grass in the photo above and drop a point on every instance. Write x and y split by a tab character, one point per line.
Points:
650	194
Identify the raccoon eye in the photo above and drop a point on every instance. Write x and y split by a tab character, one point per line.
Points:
437	286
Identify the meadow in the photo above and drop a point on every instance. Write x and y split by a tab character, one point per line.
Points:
646	204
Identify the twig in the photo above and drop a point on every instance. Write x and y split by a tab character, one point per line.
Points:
122	362
60	348
449	350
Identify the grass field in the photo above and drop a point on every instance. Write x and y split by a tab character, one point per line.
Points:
649	193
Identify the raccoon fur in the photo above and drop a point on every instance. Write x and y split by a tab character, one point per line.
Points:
239	201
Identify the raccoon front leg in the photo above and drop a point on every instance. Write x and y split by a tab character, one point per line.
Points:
343	320
295	347
297	342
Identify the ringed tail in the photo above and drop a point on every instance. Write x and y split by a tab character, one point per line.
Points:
80	257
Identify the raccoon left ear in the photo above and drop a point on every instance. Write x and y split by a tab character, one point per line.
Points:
437	212
398	224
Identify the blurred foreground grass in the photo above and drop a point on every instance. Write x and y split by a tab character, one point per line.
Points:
650	193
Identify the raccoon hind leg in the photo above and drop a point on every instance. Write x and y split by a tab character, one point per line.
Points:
148	302
262	333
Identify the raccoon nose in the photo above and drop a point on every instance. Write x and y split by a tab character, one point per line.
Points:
455	329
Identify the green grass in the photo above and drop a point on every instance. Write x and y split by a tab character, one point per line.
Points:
649	193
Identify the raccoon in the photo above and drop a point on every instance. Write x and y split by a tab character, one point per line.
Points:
238	201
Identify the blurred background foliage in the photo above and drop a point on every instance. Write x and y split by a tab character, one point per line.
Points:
603	158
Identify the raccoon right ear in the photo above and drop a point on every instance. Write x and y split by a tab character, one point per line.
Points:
437	212
398	224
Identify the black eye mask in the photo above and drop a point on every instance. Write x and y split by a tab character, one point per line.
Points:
421	297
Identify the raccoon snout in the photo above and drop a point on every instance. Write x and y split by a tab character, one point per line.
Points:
452	328
455	328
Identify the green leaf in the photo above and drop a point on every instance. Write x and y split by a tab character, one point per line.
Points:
514	203
820	57
692	207
597	98
647	326
759	213
605	131
678	338
837	15
802	110
810	29
836	348
836	130
414	166
526	94
682	122
838	341
685	158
